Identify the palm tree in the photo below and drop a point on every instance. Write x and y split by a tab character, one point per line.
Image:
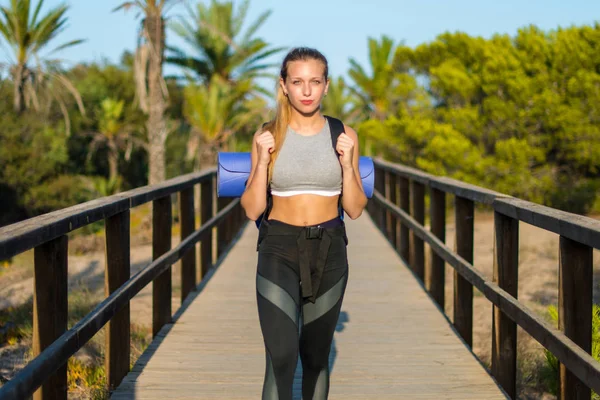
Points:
341	102
214	35
115	133
150	85
28	33
378	91
216	111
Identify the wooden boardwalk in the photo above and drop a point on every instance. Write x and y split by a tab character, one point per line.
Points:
392	341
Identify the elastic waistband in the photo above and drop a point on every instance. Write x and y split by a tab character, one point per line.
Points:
278	228
332	223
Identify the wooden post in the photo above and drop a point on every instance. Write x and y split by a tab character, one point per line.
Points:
463	290
404	246
50	309
504	330
222	227
188	261
206	213
436	278
417	256
394	199
379	214
161	243
388	177
117	272
575	278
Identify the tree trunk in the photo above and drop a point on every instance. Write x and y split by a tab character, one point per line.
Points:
156	125
19	88
113	160
207	156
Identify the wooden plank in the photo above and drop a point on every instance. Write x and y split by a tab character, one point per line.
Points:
575	280
206	213
388	187
579	228
50	309
504	330
187	224
435	279
161	243
391	340
404	248
465	190
463	289
395	199
223	228
117	272
21	236
380	187
417	254
404	171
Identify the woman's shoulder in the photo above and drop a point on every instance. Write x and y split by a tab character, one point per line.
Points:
266	126
350	131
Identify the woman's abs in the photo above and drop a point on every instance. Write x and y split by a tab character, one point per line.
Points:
304	209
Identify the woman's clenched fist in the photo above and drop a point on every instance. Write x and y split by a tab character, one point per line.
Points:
265	144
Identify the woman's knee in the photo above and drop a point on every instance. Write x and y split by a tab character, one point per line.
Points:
284	357
315	360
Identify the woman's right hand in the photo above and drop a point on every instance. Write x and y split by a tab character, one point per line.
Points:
265	144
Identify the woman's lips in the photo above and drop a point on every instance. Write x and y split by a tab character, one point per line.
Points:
306	102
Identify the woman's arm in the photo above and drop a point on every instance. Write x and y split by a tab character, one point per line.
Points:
354	199
254	198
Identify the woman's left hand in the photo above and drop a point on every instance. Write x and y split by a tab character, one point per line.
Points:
345	147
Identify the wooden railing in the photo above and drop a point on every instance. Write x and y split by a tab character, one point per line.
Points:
53	344
399	211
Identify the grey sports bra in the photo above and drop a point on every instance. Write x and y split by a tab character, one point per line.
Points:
307	164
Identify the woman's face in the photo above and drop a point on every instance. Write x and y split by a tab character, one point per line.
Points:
305	85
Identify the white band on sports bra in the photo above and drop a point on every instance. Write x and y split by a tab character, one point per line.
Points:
289	193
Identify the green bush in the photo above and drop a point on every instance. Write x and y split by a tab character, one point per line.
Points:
550	373
578	196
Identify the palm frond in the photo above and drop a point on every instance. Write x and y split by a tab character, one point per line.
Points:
68	44
255	26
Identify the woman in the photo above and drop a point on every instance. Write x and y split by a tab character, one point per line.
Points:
302	261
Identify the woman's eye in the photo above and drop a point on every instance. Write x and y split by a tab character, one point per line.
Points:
296	82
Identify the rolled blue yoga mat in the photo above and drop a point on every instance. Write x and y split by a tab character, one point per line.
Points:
234	168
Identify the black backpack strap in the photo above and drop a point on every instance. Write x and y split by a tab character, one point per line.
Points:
336	127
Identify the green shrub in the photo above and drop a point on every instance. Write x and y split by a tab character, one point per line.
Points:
550	373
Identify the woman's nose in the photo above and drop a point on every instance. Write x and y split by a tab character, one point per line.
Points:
306	90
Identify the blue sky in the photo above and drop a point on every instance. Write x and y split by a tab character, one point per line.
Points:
337	28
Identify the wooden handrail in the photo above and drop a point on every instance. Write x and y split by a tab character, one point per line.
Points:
571	343
53	344
25	235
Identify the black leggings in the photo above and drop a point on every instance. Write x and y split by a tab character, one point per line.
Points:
283	304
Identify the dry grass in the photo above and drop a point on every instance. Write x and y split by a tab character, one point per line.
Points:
86	372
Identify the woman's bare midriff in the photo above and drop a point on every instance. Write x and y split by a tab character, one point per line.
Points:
304	209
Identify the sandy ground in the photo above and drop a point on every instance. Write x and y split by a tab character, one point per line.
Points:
538	288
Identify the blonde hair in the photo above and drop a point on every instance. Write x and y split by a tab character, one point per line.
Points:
278	126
